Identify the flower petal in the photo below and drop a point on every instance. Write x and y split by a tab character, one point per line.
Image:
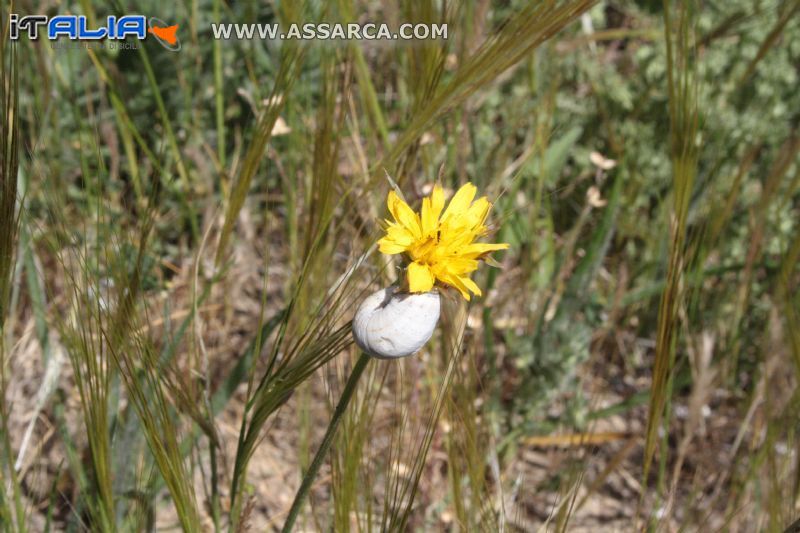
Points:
471	285
440	246
429	223
400	234
390	247
403	214
455	265
460	201
420	277
397	239
431	209
479	249
477	212
437	199
456	283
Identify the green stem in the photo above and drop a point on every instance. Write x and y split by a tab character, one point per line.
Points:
218	92
333	425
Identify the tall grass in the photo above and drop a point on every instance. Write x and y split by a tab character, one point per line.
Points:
12	510
684	118
198	228
290	62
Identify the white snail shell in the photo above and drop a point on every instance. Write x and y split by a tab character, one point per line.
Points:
390	324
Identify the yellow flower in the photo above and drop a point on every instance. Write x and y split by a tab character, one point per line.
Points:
440	245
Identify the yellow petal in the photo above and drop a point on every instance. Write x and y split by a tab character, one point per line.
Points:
471	285
429	223
455	265
397	239
425	249
420	277
403	214
478	249
400	234
477	212
437	199
390	247
440	245
453	240
456	283
460	202
392	199
431	209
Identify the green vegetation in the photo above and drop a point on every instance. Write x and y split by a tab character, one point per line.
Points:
185	236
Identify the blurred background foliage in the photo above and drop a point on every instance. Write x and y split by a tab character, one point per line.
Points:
574	141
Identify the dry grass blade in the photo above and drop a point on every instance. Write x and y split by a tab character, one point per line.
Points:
9	165
786	293
401	504
683	114
103	337
11	512
330	434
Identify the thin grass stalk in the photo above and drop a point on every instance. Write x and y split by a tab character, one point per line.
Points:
90	336
786	294
139	368
9	167
519	36
327	440
683	129
159	430
397	513
9	221
219	94
321	197
790	10
758	236
291	62
346	462
81	333
165	121
281	377
274	392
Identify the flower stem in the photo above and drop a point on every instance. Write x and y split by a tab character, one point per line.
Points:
333	425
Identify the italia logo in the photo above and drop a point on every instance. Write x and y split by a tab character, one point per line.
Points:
166	35
76	28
